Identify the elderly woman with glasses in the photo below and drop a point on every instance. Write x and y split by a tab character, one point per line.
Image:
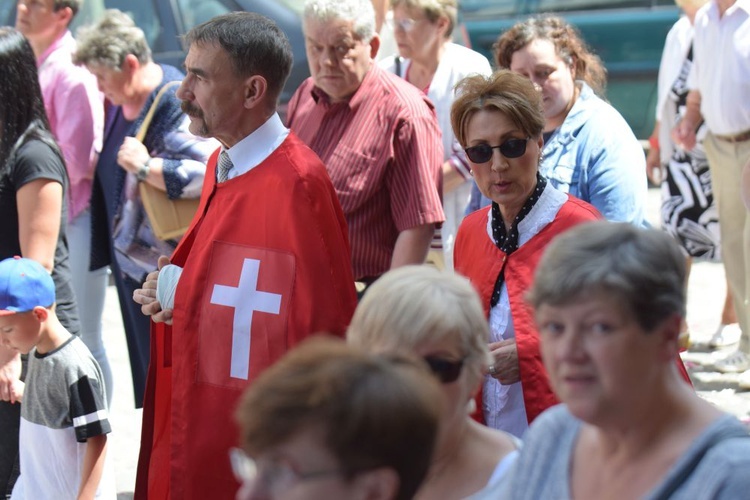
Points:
437	316
609	300
429	60
330	422
499	121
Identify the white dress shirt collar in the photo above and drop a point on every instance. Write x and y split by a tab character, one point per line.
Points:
256	147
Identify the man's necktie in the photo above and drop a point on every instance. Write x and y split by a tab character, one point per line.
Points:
225	165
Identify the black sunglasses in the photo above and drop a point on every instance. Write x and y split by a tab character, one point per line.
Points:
445	370
512	148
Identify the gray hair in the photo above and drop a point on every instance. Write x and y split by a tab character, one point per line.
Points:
414	304
109	41
643	268
433	9
255	46
360	12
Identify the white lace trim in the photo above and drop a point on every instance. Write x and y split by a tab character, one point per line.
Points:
497	395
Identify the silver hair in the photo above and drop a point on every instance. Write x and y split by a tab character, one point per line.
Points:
109	41
643	268
360	12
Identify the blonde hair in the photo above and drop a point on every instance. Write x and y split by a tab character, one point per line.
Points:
415	304
433	9
697	4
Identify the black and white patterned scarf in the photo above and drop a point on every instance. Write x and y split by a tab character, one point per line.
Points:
507	241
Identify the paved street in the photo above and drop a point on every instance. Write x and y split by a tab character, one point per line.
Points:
705	299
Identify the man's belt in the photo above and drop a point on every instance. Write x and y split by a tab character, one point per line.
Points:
741	137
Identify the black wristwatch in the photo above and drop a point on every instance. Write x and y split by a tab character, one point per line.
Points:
143	171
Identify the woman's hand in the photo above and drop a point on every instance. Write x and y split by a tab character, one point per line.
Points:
132	155
505	365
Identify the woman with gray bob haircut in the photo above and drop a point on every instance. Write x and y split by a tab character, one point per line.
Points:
643	269
609	300
111	40
437	316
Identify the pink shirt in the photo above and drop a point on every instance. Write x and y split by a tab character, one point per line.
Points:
384	154
75	110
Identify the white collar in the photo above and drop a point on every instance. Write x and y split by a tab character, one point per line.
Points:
256	147
542	213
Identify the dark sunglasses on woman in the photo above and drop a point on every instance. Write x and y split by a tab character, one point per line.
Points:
445	370
512	148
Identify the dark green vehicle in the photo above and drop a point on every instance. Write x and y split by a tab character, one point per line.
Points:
627	34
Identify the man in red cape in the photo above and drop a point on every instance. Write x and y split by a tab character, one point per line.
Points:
264	264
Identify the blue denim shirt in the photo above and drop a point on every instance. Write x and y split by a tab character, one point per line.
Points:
594	156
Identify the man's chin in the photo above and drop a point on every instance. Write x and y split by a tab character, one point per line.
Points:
198	127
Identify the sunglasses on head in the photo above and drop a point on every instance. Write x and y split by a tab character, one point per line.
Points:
445	370
512	148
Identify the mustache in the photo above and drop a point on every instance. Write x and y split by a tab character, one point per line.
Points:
191	109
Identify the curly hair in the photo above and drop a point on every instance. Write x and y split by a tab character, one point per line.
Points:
568	44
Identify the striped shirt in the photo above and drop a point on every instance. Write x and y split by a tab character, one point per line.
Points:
384	154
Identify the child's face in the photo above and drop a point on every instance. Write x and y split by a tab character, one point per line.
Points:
20	331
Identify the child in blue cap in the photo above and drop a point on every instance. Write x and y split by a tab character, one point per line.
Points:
64	423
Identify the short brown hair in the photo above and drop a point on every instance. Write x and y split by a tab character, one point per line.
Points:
504	91
373	411
568	44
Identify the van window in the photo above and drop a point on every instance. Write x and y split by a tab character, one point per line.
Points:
145	17
195	12
494	7
569	5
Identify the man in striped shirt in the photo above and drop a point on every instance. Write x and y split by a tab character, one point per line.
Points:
376	134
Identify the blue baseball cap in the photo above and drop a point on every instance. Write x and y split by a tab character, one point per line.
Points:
24	284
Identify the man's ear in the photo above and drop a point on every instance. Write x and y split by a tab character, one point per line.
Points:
374	46
256	90
41	313
378	484
64	16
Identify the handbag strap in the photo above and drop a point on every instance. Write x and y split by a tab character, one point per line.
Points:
141	135
687	469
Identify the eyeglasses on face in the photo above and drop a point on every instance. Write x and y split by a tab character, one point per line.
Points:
404	24
276	476
512	148
445	370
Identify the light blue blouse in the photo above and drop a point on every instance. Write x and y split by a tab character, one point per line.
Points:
594	156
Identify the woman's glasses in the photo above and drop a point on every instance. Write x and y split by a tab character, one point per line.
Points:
512	148
276	475
445	370
405	24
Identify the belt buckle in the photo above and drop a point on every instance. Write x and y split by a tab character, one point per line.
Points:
736	138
